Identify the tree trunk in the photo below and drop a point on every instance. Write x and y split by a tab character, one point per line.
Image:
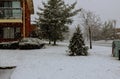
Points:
54	42
49	42
90	37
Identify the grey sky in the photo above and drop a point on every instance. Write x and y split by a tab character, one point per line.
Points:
106	9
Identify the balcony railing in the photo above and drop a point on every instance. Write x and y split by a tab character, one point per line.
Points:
10	13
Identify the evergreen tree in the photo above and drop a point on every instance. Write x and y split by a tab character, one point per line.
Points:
77	45
54	18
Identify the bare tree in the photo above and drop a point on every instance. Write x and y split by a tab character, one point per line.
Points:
108	30
91	24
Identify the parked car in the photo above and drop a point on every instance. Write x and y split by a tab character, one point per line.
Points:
31	43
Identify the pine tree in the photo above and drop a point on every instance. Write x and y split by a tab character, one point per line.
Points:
54	19
77	45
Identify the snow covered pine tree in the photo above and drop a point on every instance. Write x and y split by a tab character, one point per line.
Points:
54	18
77	45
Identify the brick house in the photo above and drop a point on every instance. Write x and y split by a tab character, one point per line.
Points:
15	19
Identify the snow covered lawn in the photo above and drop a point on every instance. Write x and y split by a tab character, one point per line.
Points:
53	63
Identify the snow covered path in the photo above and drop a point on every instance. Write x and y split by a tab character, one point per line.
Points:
53	63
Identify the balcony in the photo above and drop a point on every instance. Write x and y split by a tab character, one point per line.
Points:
10	15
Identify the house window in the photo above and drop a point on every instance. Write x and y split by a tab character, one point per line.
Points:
9	4
17	32
15	4
8	32
7	13
16	13
10	9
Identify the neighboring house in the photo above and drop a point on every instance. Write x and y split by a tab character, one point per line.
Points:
15	20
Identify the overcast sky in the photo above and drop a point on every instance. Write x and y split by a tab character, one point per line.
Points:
106	9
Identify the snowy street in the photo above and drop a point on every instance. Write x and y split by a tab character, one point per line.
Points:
54	63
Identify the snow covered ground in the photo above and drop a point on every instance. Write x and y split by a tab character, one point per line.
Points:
53	63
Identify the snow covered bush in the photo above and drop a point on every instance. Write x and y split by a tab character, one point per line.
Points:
9	45
14	45
25	43
31	43
4	45
77	45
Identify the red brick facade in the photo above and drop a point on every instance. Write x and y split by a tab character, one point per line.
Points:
15	29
